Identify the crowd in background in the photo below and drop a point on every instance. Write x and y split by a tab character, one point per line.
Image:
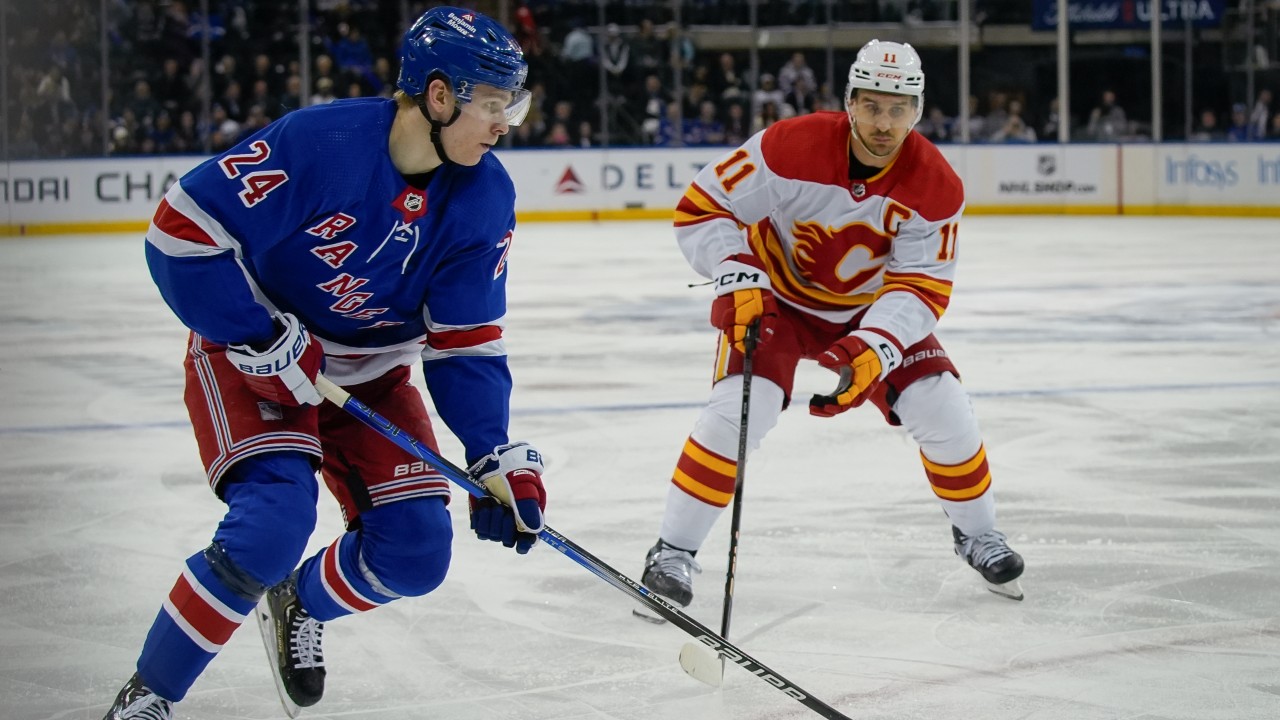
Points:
661	89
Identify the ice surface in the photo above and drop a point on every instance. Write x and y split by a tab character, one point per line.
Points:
1126	372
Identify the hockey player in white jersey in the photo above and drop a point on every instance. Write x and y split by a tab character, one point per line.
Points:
363	236
835	235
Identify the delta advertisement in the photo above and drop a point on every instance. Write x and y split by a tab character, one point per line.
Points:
1220	178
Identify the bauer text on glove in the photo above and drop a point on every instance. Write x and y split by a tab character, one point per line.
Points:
285	371
863	359
743	296
512	515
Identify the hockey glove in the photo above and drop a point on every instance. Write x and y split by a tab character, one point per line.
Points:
863	359
513	515
743	296
286	370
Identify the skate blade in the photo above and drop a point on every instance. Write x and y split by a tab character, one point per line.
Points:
702	663
268	630
648	616
1011	589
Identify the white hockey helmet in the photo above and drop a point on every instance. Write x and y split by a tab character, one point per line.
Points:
887	67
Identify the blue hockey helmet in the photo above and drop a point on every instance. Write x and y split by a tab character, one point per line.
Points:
465	49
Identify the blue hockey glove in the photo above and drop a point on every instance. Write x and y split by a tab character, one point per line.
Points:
513	516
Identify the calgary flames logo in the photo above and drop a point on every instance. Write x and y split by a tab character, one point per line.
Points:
839	260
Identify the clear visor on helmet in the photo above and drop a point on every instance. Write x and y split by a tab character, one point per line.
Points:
896	111
495	105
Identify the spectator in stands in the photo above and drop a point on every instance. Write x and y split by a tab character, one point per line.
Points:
801	99
768	94
653	103
1049	130
1207	130
526	31
1260	116
1015	127
706	129
324	92
695	94
53	98
225	71
727	84
935	126
255	120
997	115
266	71
737	128
586	135
195	82
1274	133
679	49
673	129
564	113
615	56
260	95
1107	121
186	136
796	69
577	57
767	116
382	80
232	99
976	123
1239	128
163	134
558	135
292	97
351	52
646	49
143	106
170	88
322	68
827	101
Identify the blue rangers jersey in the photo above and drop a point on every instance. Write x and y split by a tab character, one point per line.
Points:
310	216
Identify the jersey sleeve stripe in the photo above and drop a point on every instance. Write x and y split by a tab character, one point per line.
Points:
698	207
200	227
934	294
444	340
176	225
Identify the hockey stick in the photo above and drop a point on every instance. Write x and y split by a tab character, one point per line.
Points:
573	551
696	658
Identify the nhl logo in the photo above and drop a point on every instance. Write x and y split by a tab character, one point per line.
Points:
858	190
1047	164
413	202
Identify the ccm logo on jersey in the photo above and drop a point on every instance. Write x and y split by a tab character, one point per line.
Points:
415	468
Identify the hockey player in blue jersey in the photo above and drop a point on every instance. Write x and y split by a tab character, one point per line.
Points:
359	238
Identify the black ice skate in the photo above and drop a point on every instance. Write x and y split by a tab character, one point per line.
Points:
668	571
990	554
137	702
292	638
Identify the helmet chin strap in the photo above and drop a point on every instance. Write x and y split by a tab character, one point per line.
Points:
436	125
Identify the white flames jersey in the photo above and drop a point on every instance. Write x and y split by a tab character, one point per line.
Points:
833	247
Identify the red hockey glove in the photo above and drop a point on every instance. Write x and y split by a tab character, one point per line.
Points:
743	296
863	359
286	371
513	516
